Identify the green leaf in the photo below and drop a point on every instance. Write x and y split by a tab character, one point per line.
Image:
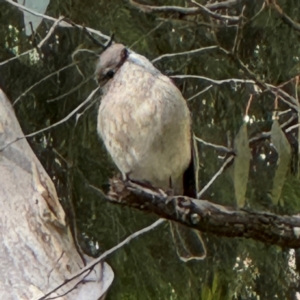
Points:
206	292
215	284
241	165
283	149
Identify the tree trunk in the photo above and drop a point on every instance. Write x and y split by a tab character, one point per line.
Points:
37	250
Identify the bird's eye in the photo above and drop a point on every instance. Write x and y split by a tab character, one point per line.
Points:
110	74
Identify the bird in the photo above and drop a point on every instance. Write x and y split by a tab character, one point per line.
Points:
145	123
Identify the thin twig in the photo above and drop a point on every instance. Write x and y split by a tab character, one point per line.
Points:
183	10
292	127
147	34
227	161
86	109
102	193
277	89
285	17
248	105
217	147
78	86
43	79
96	261
258	13
298	120
215	81
222	5
269	87
273	89
289	121
51	31
295	107
217	16
201	92
74	60
88	99
16	57
267	134
187	22
204	49
57	123
238	36
284	112
70	289
281	85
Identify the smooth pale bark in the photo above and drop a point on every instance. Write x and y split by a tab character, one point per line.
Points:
37	251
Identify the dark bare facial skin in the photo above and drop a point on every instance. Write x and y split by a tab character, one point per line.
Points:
109	62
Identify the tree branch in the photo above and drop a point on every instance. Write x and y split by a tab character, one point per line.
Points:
186	10
209	217
230	19
90	267
286	19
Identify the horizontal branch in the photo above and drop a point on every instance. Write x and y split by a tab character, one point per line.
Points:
230	19
184	10
203	49
209	217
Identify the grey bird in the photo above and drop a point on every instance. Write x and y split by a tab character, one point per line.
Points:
145	124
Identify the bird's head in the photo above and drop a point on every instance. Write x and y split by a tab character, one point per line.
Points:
109	62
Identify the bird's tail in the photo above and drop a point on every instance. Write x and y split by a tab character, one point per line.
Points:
188	242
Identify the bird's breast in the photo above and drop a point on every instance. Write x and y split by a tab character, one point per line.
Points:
145	125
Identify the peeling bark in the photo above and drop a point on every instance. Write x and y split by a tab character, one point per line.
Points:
37	251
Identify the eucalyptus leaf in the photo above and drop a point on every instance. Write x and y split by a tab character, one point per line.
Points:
215	283
283	149
241	165
206	292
